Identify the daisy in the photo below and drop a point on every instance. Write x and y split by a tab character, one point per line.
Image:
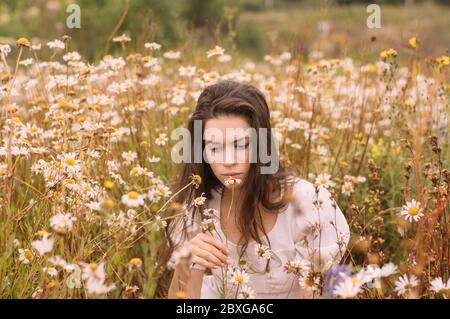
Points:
438	285
72	56
70	162
51	271
25	255
152	46
199	201
43	246
172	55
210	212
348	288
298	267
133	199
159	223
376	272
122	38
246	293
262	251
56	44
162	139
62	223
216	51
412	211
405	283
347	189
208	225
324	180
131	289
129	156
309	281
231	181
240	277
196	180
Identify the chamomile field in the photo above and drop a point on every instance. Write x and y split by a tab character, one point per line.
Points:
87	181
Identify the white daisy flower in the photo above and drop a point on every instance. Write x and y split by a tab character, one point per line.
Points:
231	181
405	283
438	285
162	139
62	223
347	189
216	51
25	255
324	180
152	46
246	293
412	211
133	199
263	251
172	55
56	44
51	271
44	245
239	277
348	288
199	201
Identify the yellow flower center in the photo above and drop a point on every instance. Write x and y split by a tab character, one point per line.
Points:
28	254
70	161
413	211
239	279
133	195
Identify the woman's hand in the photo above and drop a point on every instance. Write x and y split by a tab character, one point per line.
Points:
208	251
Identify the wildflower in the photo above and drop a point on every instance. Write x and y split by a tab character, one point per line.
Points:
162	139
412	211
438	285
347	189
129	156
133	199
72	56
349	288
199	201
297	267
23	42
324	180
208	225
172	55
25	255
309	281
216	51
134	263
210	212
51	271
129	290
388	53
62	223
159	223
376	272
413	42
181	295
246	293
404	284
152	46
263	251
231	181
443	60
108	184
240	277
43	246
196	180
56	44
122	38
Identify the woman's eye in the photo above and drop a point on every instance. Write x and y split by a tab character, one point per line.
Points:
242	146
216	149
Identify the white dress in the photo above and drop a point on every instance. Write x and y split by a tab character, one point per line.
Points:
302	230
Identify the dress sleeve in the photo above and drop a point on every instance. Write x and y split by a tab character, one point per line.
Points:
321	231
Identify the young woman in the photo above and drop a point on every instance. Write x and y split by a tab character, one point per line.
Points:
259	226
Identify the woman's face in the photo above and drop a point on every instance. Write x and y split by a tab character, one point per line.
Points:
228	153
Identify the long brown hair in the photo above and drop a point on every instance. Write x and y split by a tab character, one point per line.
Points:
225	98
